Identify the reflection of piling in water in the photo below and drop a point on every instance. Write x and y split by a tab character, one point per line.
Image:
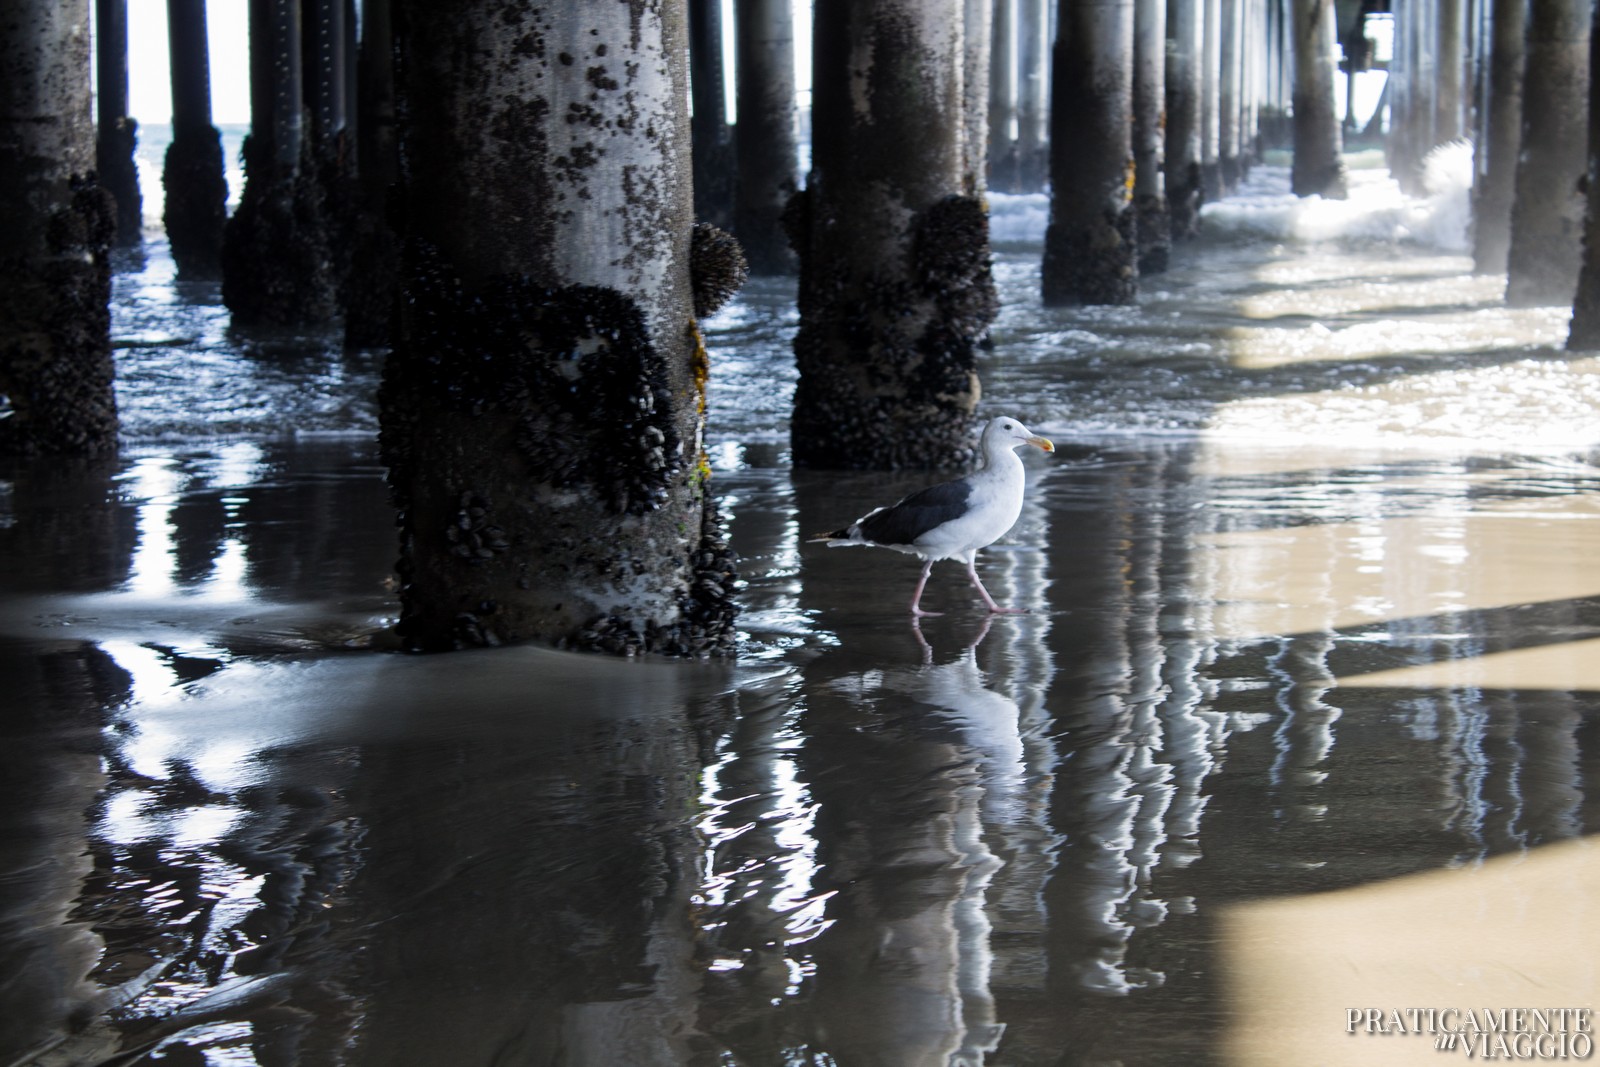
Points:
1150	774
1511	768
50	775
1018	668
752	881
1135	746
1191	735
530	900
199	513
1304	738
66	524
1093	805
1189	730
1551	774
893	983
918	773
1096	811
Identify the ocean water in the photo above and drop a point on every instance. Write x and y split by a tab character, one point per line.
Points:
1302	717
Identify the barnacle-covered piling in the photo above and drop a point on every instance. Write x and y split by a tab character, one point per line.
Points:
1091	244
280	262
895	285
195	208
542	409
55	273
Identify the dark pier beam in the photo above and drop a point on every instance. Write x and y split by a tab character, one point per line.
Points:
373	93
55	273
1004	173
369	290
1252	82
282	33
764	143
977	45
1033	94
326	33
895	282
1416	110
1277	59
1501	135
350	65
278	266
1397	93
1185	42
1091	243
1584	331
543	407
1450	84
1318	168
1210	89
1149	134
196	207
331	144
1480	45
118	134
1230	88
1547	212
714	164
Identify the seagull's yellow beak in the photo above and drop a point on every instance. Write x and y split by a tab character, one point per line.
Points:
1042	444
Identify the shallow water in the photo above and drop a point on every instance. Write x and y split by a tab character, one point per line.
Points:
1314	618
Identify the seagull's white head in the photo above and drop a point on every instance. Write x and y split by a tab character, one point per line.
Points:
1006	432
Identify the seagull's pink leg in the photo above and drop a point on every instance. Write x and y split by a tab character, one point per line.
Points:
994	609
916	597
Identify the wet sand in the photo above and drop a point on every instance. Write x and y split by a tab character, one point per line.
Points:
992	838
1292	727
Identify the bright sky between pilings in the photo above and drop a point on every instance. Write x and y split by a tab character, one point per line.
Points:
227	26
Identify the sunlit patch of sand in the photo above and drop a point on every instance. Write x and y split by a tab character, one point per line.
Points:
1320	577
1498	936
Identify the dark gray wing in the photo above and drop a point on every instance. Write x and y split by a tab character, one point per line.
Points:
903	523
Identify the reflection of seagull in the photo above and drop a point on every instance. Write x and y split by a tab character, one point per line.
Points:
989	722
953	520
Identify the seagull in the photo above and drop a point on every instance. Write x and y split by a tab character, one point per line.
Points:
952	520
